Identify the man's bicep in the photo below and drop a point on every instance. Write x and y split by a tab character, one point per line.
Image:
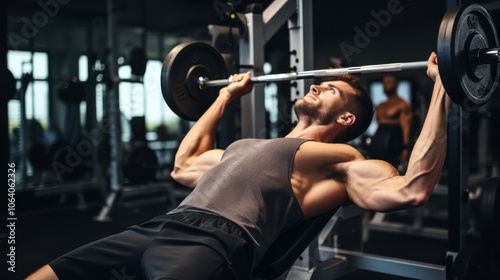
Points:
198	168
407	113
375	185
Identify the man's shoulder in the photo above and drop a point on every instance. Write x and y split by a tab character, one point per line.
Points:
336	152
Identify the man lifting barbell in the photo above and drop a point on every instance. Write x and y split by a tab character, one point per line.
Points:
245	196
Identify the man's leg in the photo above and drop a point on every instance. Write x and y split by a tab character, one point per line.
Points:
117	256
198	246
44	273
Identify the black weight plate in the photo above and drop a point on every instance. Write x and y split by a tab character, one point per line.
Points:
138	62
387	144
181	69
37	156
141	165
72	91
490	212
464	29
473	262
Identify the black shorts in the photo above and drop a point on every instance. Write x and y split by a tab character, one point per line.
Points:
183	246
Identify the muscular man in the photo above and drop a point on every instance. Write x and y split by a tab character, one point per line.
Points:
245	196
395	111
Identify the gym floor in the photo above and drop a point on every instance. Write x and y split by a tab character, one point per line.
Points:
44	234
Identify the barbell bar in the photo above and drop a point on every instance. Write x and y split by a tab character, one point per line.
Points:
204	82
482	56
468	59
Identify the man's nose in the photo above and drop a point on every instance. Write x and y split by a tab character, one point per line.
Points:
314	89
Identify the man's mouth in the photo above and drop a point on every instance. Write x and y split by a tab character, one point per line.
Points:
310	96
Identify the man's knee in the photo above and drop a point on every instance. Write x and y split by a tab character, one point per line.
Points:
44	273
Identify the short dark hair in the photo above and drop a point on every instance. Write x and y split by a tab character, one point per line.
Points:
360	105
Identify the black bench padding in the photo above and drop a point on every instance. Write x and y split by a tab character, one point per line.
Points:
289	245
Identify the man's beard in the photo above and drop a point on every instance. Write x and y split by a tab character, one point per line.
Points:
304	109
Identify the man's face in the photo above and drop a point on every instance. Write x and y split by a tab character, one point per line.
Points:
390	84
324	101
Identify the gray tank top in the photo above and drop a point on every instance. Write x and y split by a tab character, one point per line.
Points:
251	187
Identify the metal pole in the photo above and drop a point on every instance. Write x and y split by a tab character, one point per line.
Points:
456	179
367	69
116	178
487	56
457	176
253	122
300	29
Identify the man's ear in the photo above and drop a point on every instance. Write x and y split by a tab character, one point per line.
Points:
346	119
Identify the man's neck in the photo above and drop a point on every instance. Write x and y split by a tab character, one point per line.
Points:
392	95
320	133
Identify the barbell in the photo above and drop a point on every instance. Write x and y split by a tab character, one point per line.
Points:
468	58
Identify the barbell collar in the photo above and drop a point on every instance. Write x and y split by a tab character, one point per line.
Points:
204	82
488	56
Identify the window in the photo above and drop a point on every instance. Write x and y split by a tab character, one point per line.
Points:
36	99
146	99
271	105
138	99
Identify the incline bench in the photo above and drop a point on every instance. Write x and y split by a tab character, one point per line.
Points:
289	246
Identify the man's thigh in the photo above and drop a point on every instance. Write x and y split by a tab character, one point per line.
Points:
187	261
114	257
204	248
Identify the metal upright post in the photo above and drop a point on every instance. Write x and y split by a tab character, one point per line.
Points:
253	122
112	100
90	99
300	27
457	177
261	27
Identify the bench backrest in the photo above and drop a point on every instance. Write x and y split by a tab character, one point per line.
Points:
289	245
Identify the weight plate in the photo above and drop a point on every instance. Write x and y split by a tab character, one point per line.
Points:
181	69
141	165
138	62
490	212
474	262
72	91
387	144
463	30
37	157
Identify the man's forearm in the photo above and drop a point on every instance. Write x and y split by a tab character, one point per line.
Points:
201	137
429	152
